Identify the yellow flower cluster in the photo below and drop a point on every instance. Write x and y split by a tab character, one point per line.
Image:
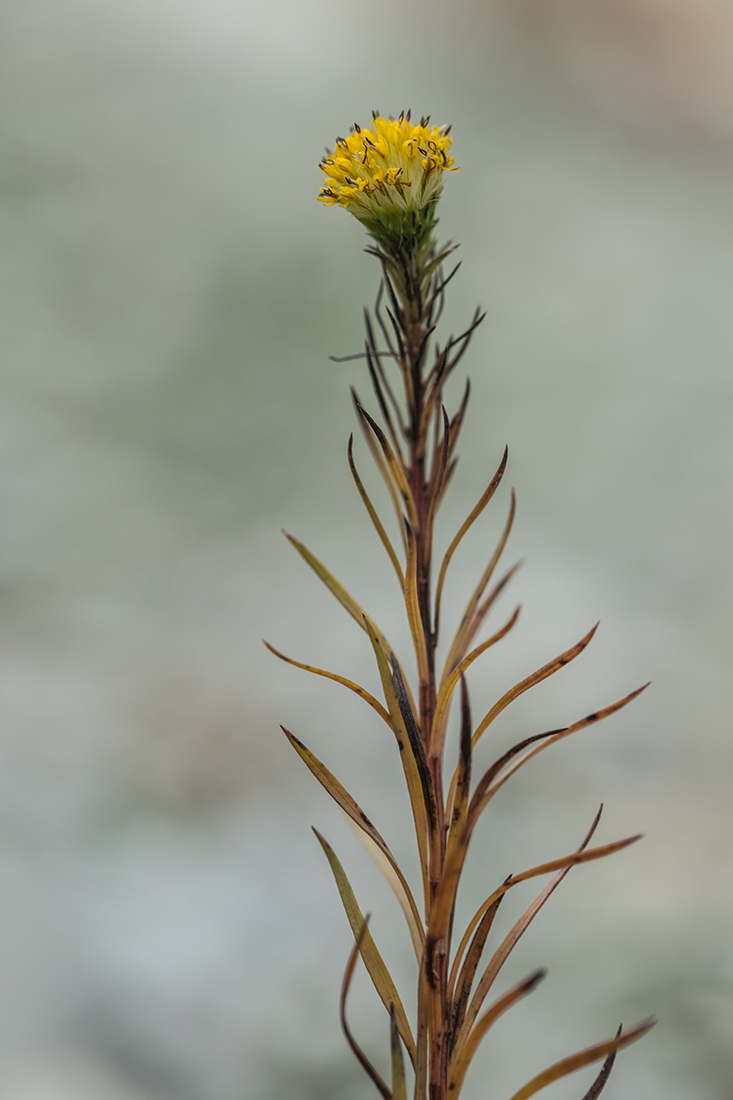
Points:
388	171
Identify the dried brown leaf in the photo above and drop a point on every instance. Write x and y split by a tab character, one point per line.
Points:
384	537
373	961
356	688
461	1063
465	526
345	986
582	1058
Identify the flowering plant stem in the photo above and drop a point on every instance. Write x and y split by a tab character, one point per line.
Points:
415	451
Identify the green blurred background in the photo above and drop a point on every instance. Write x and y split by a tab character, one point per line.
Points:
170	294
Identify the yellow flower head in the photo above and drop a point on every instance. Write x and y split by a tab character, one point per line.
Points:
389	176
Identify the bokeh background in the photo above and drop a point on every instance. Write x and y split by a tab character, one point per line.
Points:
170	294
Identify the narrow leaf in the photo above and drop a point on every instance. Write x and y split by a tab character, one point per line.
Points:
458	419
475	513
499	893
374	517
373	961
486	779
470	966
530	681
442	709
510	941
445	895
440	462
377	356
423	1035
439	289
407	759
412	604
378	457
582	1058
345	986
463	787
551	739
380	321
394	467
355	814
374	366
421	762
360	691
477	802
485	606
510	998
464	339
399	1086
398	885
335	587
600	1082
458	645
437	374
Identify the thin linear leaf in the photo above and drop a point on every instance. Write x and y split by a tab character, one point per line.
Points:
530	681
378	356
394	467
356	688
551	739
376	453
444	901
600	1082
442	709
373	961
423	1035
399	1086
412	604
384	537
460	993
510	998
398	885
473	516
345	986
407	759
419	359
445	895
496	767
465	337
380	321
441	913
375	371
491	773
463	787
421	761
431	405
354	812
335	587
458	419
510	941
485	606
507	884
437	476
582	1058
441	287
458	645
